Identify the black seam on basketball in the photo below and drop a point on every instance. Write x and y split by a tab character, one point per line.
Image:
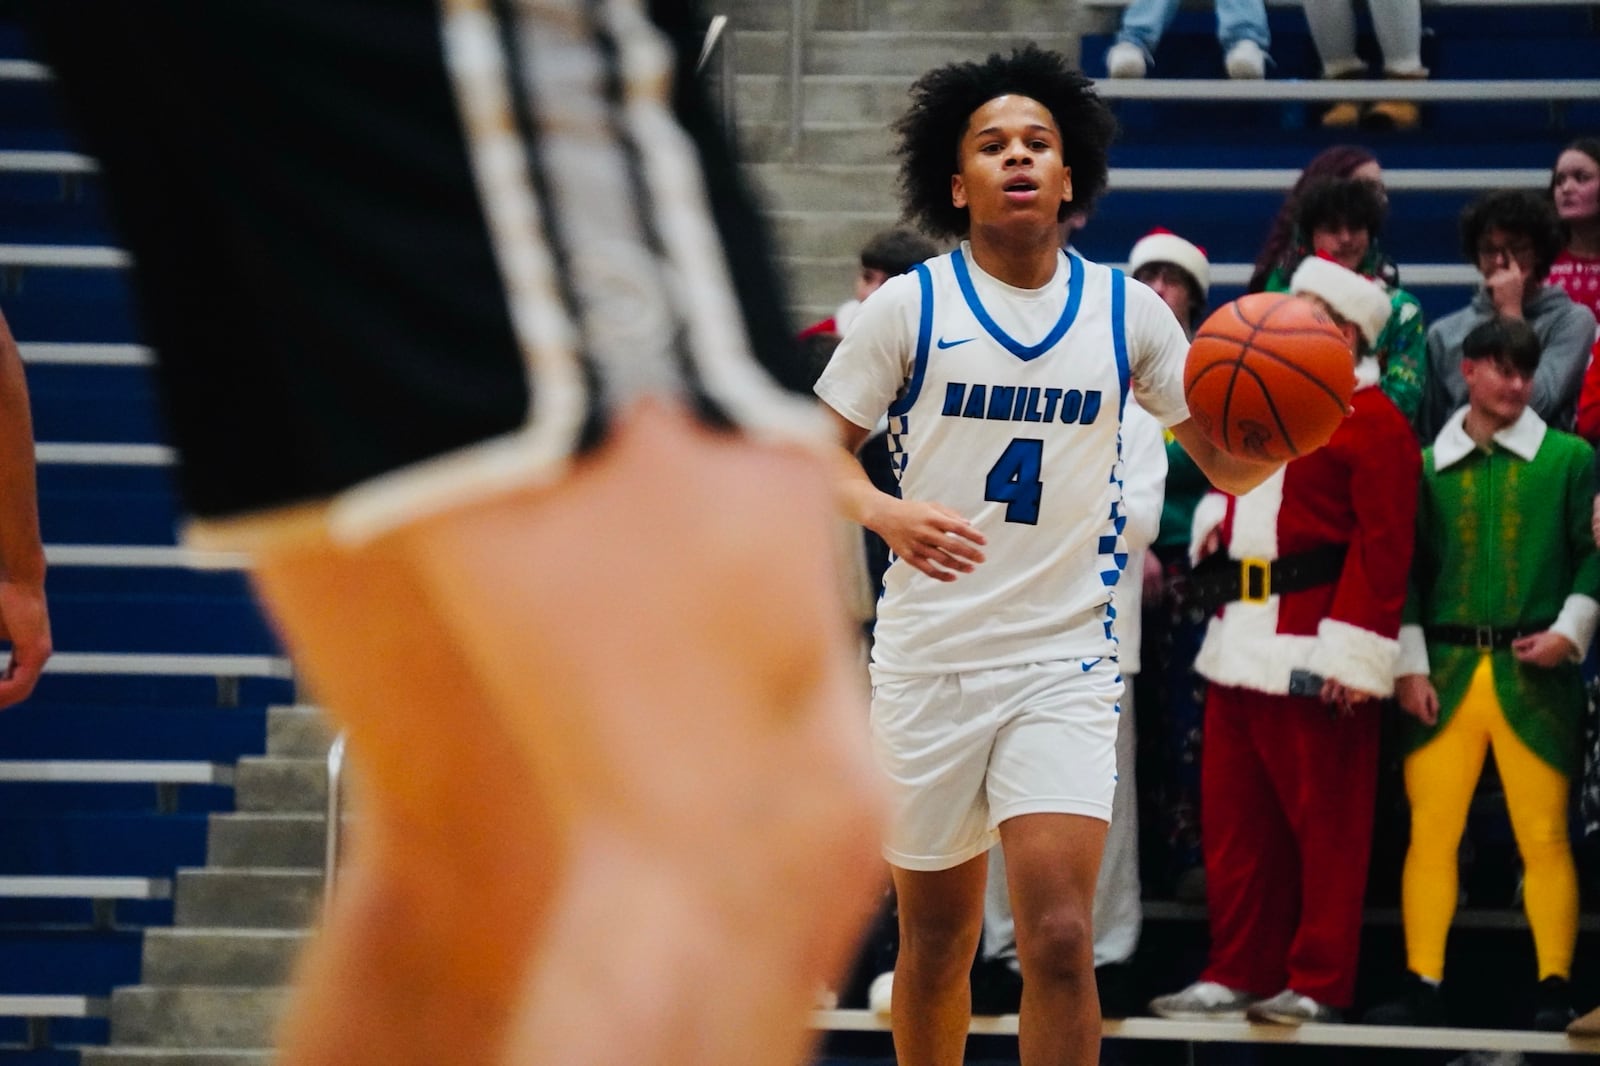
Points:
1297	368
1239	314
1283	430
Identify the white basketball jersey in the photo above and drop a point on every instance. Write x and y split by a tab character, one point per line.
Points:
1005	405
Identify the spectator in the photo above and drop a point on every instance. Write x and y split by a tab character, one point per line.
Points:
1575	190
1118	916
1340	219
1339	161
1398	24
1309	573
1171	699
1493	664
1241	30
888	254
1513	236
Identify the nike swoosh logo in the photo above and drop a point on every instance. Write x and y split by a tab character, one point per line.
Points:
951	344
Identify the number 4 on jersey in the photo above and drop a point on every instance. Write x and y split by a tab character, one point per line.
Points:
1014	480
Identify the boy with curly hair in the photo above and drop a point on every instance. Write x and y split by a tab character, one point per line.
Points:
1003	366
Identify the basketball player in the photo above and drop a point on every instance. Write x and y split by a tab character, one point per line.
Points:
24	618
1003	366
452	344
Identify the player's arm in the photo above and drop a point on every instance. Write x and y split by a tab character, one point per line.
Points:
1227	472
22	606
929	536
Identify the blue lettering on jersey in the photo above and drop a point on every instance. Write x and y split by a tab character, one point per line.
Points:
1011	403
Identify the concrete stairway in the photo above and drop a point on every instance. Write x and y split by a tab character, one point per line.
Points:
831	187
212	986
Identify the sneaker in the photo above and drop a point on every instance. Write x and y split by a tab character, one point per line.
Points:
1246	61
1419	1003
881	994
1125	60
1398	115
1552	1005
1203	999
1343	115
1291	1008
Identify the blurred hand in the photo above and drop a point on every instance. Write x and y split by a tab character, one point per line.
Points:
1418	698
1546	649
26	623
1505	286
1342	698
1155	577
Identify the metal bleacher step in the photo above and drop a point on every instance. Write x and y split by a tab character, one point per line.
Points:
1223	1032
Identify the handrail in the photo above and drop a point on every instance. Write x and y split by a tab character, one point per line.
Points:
797	99
335	814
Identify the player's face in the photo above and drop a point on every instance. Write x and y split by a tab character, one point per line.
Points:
1343	242
1010	165
1576	187
1172	285
1496	390
868	281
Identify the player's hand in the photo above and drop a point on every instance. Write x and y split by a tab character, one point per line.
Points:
1342	698
26	623
1594	523
931	537
1505	285
1547	649
1418	698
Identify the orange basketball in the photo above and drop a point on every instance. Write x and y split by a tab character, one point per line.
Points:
1269	376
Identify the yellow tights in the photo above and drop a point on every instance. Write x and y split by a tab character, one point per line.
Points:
1440	779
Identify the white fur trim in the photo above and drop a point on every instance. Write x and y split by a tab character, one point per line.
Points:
1255	520
1208	515
1171	248
1357	657
1413	658
1350	294
1368	372
1576	622
1243	648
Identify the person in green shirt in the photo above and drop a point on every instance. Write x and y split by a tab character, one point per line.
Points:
1493	663
1340	219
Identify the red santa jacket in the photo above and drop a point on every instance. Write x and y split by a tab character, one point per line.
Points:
1360	490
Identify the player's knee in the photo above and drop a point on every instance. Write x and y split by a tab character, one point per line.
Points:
938	943
1058	945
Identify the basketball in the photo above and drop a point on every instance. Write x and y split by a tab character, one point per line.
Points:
1269	377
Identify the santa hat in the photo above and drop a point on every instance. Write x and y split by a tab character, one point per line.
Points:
1164	246
1355	298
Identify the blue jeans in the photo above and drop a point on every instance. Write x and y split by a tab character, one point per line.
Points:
1144	21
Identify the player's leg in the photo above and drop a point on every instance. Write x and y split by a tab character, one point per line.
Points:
1052	863
453	858
941	921
663	635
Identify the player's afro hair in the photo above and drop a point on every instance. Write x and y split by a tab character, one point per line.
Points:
942	102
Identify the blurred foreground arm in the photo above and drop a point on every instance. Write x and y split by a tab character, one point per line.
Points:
23	617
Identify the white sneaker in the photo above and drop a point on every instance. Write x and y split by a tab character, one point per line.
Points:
1125	60
1246	61
1203	999
1291	1008
880	994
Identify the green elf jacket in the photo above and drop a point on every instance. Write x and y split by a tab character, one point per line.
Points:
1504	540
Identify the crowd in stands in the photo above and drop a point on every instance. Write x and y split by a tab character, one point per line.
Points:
1265	714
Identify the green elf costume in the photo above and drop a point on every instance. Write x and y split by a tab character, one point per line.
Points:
1503	551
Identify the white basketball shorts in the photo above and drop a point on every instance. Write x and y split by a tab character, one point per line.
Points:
964	752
